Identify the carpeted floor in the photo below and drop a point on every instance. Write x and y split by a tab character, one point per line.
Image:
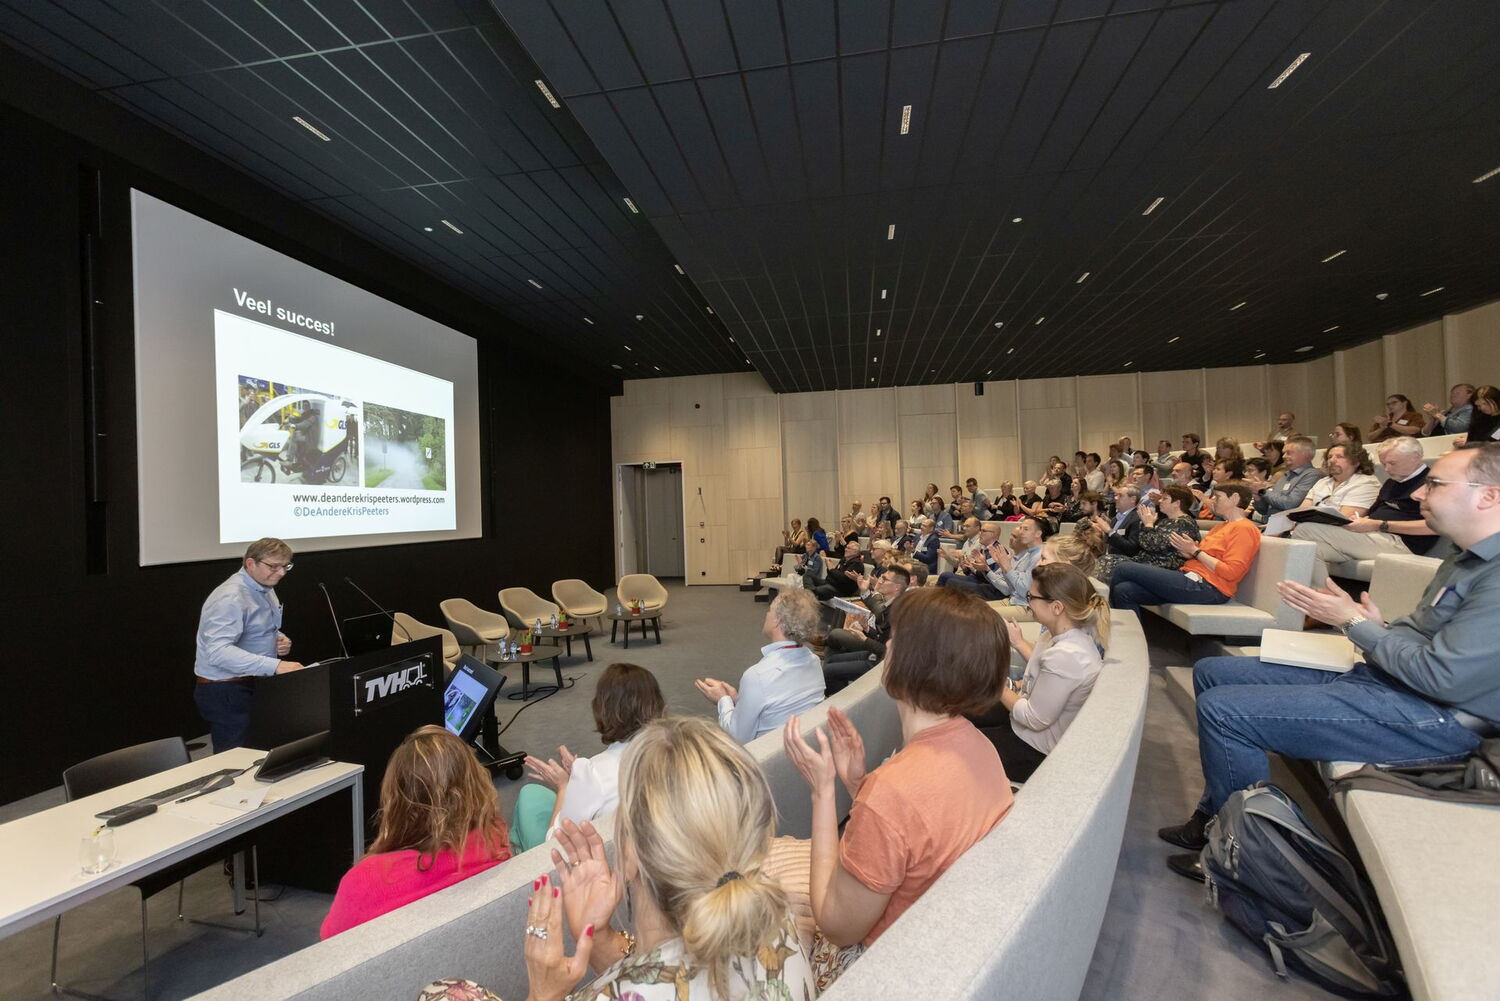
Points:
1159	940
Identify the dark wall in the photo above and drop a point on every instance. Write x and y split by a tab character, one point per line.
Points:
97	652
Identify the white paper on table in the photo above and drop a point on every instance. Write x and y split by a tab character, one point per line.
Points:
224	806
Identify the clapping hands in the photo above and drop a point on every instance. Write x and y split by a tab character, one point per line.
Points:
714	690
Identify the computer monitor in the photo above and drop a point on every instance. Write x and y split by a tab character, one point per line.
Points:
469	696
366	633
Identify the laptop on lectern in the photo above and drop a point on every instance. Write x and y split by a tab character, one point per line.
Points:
367	633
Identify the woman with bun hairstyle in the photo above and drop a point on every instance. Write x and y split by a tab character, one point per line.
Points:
439	824
1060	669
705	920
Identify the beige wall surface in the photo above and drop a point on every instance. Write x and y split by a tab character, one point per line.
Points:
752	458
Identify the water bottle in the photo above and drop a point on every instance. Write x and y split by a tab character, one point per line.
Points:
554	620
619	610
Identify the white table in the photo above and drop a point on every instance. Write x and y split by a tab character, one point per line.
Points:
39	871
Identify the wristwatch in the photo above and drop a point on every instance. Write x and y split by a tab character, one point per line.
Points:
1351	622
1385	527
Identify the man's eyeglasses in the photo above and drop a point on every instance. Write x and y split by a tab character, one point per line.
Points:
276	567
1433	481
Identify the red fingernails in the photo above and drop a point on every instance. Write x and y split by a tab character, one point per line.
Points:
536	884
556	891
528	901
589	931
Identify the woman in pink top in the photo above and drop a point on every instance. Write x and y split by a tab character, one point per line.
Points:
439	824
912	817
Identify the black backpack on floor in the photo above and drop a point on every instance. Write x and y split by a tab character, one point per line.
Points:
1281	883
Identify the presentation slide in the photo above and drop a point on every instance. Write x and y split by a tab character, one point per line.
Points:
274	399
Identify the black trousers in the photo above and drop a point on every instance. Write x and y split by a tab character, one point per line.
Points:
225	706
1019	758
841	670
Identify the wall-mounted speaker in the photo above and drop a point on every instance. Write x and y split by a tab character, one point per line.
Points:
978	389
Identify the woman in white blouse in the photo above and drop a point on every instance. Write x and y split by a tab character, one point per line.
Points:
1060	668
578	789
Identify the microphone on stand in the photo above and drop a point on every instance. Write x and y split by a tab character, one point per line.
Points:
386	611
334	615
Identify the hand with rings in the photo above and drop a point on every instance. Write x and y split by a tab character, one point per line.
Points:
551	972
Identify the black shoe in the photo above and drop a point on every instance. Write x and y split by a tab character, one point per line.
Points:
1189	835
1187	864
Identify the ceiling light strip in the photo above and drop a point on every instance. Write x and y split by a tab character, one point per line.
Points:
905	119
1486	176
1152	207
309	126
547	93
631	206
453	227
1433	291
1238	305
1289	71
1336	253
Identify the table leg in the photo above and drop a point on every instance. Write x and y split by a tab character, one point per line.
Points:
588	647
525	678
627	634
557	670
569	641
656	626
357	797
239	882
613	625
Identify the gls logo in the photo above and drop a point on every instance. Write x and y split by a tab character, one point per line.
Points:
396	681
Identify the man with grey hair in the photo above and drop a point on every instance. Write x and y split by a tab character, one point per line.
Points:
787	681
1123	536
239	640
1392	525
1292	487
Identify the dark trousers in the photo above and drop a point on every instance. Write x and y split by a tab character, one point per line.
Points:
225	706
841	670
1019	758
971	583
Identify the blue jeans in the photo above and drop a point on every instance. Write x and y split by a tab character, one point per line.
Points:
225	706
1247	707
1137	584
971	583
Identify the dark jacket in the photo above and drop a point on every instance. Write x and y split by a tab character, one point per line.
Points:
1126	540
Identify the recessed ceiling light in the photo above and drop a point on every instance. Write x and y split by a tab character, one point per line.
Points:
546	93
1382	296
1129	363
709	308
890	232
1039	320
679	269
999	324
1336	253
1329	330
1016	219
309	126
588	321
882	293
453	227
872	378
1175	339
1261	355
613	365
1288	71
1433	291
1486	176
656	367
1304	349
905	119
875	358
627	347
988	371
731	340
631	206
1152	207
1082	277
533	281
427	229
640	316
1010	351
1238	305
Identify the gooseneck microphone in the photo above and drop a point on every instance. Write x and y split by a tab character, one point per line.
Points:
386	611
335	616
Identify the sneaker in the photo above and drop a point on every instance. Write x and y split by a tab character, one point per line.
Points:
1188	865
1189	835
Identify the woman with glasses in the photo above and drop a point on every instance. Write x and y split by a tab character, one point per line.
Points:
1061	667
1485	424
239	640
1400	418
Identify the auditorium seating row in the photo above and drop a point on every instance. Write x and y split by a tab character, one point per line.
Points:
1016	917
1435	866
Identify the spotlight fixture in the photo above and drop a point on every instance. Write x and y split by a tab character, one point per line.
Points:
547	93
1039	321
999	324
309	126
1288	71
427	229
640	316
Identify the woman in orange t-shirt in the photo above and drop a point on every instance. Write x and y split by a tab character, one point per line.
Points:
1213	568
948	655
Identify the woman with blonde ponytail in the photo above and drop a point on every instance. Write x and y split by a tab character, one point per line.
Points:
705	920
1060	669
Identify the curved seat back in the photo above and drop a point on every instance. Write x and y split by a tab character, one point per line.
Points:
523	606
645	587
408	629
578	599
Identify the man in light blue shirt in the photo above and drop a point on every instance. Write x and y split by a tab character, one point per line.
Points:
787	681
240	639
1289	491
1009	571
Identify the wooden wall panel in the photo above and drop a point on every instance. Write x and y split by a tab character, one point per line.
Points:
1472	340
753	436
1306	389
867	416
869	464
989	440
810	447
1109	406
1359	383
1414	364
1171	404
929	453
1049	424
1236	404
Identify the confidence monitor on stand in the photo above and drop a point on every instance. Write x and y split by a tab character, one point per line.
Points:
469	712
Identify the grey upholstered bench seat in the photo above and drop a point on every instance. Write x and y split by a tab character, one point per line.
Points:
1256	604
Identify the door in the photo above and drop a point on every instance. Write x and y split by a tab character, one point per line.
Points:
663	520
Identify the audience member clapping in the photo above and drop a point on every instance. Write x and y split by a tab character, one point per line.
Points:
626	698
842	580
1212	569
1455	419
1122	534
1290	489
1349	487
787	680
1400	418
1484	423
1169	515
1061	667
860	644
924	807
439	824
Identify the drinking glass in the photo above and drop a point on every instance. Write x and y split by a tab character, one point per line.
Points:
96	851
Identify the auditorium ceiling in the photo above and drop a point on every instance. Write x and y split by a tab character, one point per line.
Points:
865	192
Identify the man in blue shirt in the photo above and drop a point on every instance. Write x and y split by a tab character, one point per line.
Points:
1289	491
240	639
